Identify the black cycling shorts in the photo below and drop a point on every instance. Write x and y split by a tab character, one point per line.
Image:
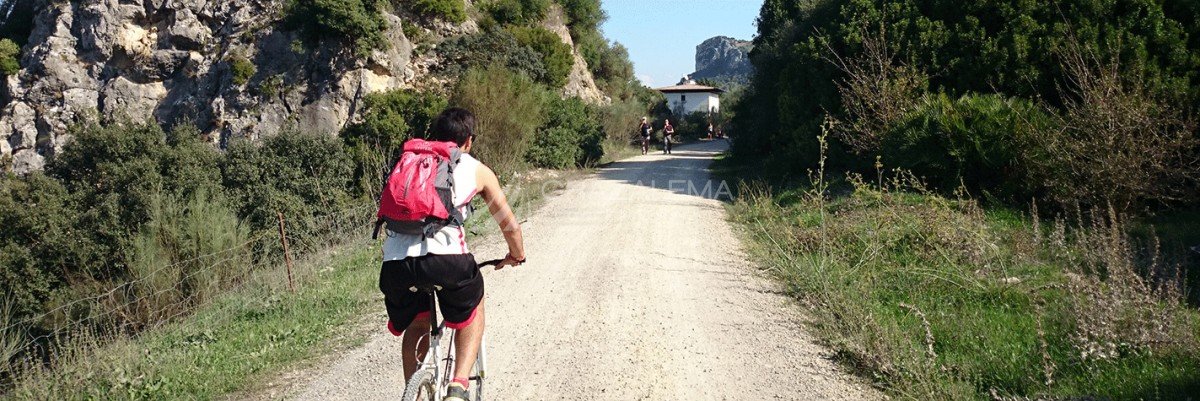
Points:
458	275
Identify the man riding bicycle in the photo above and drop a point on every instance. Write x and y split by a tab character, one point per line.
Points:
444	260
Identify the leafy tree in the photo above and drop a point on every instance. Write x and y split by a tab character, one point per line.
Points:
583	16
491	47
357	23
304	176
556	55
10	55
449	10
517	12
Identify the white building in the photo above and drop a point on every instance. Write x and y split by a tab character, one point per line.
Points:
689	97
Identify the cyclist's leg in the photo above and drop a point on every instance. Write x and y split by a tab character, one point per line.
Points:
466	344
416	344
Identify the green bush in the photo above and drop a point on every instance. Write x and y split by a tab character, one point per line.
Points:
388	119
112	173
449	10
304	176
572	136
357	23
490	48
192	248
36	236
555	147
974	141
10	57
517	12
583	16
509	107
242	70
964	48
556	55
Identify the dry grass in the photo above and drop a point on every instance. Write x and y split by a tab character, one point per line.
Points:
937	298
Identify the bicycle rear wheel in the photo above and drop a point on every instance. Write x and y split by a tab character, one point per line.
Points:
421	387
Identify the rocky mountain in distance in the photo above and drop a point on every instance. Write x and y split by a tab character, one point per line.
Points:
724	60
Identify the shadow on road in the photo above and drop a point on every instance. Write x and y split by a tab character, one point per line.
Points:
683	172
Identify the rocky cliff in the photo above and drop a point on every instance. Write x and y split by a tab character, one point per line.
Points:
723	59
230	67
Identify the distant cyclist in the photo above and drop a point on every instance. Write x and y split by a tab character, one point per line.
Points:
645	130
668	134
445	261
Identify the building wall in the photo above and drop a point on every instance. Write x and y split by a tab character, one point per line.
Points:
694	101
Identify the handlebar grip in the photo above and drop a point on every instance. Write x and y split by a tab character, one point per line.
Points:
490	263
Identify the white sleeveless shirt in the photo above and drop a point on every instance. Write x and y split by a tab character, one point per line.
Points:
450	240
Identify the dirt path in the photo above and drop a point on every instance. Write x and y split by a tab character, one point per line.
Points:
636	289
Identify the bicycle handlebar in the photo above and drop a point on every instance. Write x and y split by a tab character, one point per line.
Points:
490	263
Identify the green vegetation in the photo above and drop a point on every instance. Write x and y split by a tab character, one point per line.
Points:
10	57
388	119
131	227
556	55
492	47
583	17
234	341
572	136
954	285
448	10
936	298
230	343
517	12
242	69
509	107
357	23
1075	78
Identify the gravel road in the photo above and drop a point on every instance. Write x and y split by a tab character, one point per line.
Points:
636	288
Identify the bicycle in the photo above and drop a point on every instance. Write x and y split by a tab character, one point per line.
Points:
429	381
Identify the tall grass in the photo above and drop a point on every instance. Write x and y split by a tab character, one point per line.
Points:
934	297
509	107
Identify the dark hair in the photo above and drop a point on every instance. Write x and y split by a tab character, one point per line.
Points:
455	124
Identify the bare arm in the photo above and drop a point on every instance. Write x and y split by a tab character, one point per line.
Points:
489	188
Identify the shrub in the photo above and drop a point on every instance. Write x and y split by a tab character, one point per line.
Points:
974	141
517	12
1116	142
555	147
173	256
10	57
509	107
583	16
572	136
488	48
620	120
358	23
556	55
304	176
242	70
449	10
113	171
388	119
36	226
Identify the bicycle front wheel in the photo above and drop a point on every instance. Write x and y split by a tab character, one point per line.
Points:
421	387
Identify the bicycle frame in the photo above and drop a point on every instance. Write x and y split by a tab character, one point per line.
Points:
433	360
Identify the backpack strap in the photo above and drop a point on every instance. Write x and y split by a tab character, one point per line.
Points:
456	217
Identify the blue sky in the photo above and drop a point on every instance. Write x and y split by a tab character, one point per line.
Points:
662	34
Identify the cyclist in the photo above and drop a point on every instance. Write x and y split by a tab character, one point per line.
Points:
645	130
445	261
668	133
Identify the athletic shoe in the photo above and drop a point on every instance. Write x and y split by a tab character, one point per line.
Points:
456	392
